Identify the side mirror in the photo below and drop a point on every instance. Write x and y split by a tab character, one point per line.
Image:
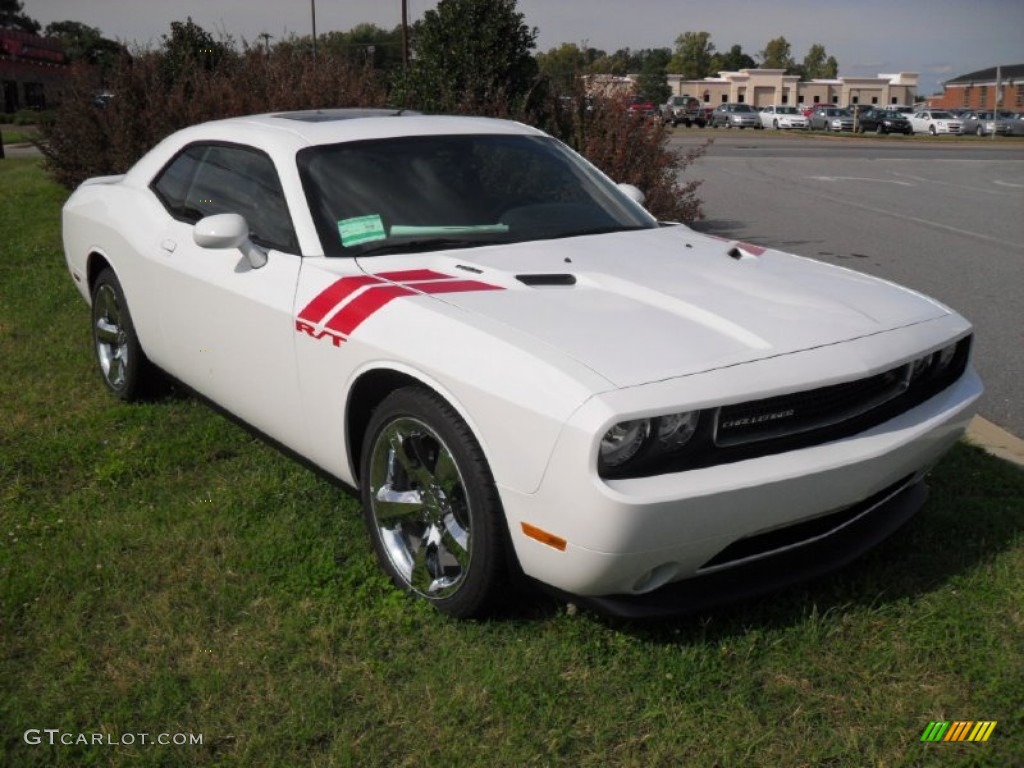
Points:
633	193
229	230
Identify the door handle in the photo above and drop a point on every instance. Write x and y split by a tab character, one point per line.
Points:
169	245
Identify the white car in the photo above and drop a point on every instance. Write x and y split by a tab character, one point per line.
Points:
521	370
935	121
782	116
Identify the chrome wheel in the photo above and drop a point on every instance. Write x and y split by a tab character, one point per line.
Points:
119	356
420	508
111	338
431	505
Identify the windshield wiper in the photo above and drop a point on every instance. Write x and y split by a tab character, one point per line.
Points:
424	244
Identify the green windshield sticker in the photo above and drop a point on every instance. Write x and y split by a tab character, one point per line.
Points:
362	229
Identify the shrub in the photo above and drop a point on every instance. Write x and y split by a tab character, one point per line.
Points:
91	138
630	149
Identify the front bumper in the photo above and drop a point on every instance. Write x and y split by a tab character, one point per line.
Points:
629	538
874	521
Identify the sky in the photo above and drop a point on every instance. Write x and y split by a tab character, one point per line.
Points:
938	39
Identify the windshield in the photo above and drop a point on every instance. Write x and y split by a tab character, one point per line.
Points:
786	110
423	193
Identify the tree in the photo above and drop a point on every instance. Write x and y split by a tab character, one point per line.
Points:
470	53
692	57
365	44
562	66
733	61
653	80
189	46
619	63
777	54
12	16
84	43
817	65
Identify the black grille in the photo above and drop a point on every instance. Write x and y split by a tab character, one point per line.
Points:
800	533
801	419
805	411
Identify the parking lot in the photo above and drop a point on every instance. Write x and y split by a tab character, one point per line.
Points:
941	216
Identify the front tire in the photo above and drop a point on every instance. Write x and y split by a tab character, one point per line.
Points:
430	504
125	370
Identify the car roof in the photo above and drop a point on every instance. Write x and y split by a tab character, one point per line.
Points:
283	134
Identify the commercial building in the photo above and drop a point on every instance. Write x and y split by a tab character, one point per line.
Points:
32	69
760	87
977	90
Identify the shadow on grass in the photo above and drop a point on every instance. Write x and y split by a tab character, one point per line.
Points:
974	513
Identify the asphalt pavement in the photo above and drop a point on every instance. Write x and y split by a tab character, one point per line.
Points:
942	217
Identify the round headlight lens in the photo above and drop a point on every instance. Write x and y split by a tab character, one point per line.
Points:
675	430
621	442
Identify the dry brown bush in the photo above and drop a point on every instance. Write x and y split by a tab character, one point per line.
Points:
148	103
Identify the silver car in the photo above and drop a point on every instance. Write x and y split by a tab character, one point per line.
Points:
985	123
735	116
831	119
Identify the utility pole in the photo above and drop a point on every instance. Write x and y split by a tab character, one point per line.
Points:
266	42
405	34
312	4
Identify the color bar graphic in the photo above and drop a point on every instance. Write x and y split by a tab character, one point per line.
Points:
959	730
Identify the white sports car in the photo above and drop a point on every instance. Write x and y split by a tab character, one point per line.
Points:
521	370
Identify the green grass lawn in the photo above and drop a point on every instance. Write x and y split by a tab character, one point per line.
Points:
162	571
17	135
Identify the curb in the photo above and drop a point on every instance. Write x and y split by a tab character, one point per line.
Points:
995	440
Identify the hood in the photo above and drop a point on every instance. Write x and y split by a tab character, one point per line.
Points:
637	307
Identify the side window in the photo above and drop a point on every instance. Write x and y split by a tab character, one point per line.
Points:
207	179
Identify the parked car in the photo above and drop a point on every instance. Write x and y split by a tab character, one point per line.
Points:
883	121
1017	124
934	122
683	109
735	116
984	123
782	116
518	367
641	105
831	119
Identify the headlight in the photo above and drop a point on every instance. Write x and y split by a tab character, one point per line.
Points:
649	438
675	431
944	357
621	442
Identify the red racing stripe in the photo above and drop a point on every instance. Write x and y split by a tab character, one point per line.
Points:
409	275
456	286
333	295
362	306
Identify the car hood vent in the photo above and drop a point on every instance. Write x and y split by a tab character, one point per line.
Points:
542	280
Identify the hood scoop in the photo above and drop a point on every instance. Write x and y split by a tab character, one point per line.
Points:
560	280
